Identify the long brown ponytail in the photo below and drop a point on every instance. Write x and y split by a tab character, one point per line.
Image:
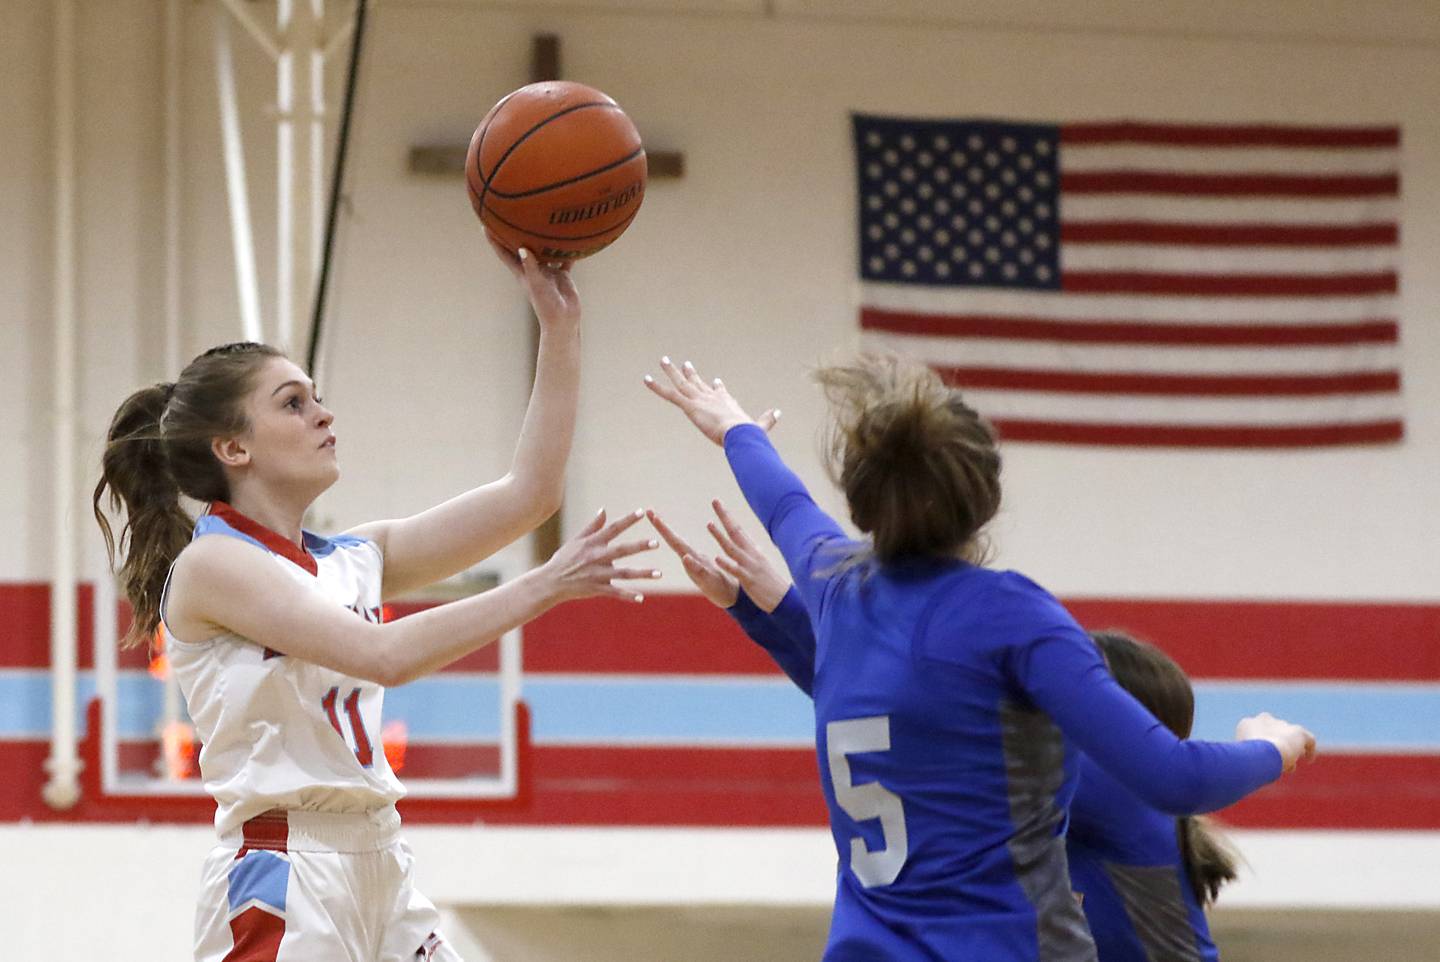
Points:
919	467
1210	859
158	448
1160	684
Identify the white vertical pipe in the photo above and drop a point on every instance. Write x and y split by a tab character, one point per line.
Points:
300	150
174	91
241	237
285	175
107	641
174	39
511	671
317	149
63	765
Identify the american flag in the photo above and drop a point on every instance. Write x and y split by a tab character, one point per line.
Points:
1140	283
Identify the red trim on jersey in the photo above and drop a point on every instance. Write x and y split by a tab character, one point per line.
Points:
276	542
268	830
257	936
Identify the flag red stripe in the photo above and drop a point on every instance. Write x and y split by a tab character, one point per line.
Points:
1228	235
1230	185
1229	285
1229	135
1187	385
1256	334
1201	436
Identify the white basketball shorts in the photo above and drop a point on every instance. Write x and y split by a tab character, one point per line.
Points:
316	887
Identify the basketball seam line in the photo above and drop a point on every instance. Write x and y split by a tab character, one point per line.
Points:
484	131
573	180
485	181
558	237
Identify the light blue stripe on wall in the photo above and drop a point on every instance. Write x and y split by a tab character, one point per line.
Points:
691	710
1343	715
615	709
447	706
576	708
25	703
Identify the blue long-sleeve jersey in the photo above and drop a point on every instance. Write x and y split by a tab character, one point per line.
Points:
1126	864
1124	855
950	700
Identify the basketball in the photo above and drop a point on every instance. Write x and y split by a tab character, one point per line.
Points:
558	168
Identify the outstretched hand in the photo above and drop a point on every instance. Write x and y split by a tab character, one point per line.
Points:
550	288
719	588
709	406
584	566
741	565
743	561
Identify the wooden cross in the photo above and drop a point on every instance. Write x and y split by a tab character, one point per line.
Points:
450	159
544	65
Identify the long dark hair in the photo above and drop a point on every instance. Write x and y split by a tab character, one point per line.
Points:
158	448
919	467
1160	684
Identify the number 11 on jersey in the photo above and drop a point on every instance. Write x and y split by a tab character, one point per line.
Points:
855	736
364	753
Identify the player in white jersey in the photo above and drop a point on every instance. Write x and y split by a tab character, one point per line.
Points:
275	636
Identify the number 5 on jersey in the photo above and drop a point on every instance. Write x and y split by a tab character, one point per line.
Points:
855	736
363	752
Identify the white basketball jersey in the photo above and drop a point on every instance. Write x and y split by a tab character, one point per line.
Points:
275	731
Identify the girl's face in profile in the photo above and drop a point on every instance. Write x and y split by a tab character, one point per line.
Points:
290	441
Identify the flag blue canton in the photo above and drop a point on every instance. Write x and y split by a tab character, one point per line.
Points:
959	203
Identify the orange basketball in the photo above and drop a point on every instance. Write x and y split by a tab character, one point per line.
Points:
558	168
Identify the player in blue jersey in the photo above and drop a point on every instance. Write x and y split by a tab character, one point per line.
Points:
1144	877
951	700
276	640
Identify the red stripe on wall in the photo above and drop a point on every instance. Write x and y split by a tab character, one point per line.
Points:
1200	436
1229	285
668	634
25	630
1147	333
709	787
685	786
421	759
1349	791
685	634
1283	640
1183	385
1262	639
25	627
714	787
1228	235
1227	135
1356	641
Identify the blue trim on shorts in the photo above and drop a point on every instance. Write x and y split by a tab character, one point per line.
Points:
260	876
